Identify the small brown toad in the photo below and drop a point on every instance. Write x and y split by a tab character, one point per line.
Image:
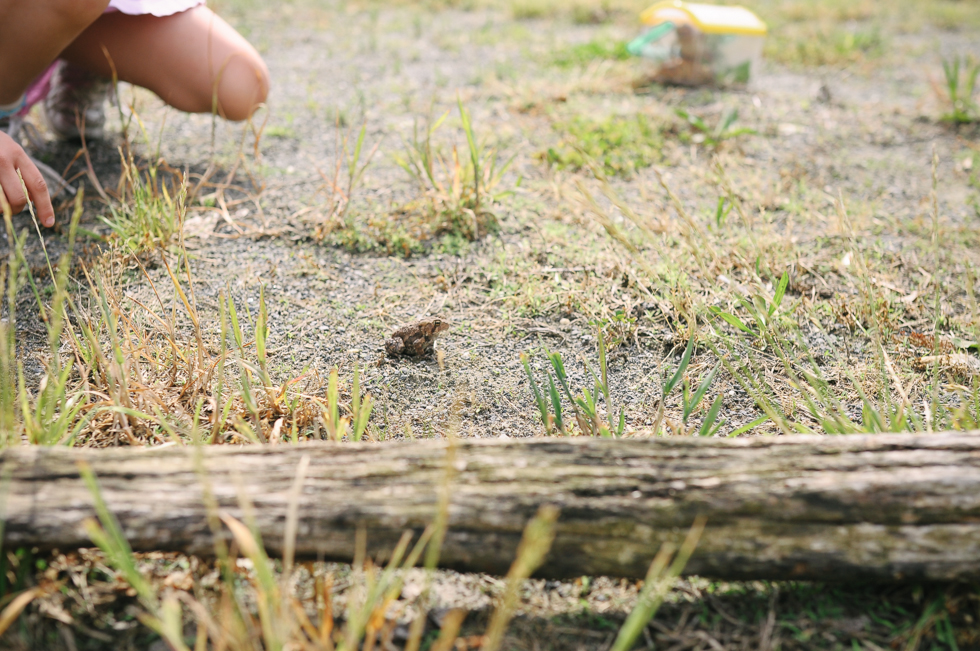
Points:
417	339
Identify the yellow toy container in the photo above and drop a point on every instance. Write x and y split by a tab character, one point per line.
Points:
695	44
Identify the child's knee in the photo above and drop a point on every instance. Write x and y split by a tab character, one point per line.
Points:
244	85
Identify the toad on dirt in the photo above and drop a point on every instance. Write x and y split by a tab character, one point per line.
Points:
416	339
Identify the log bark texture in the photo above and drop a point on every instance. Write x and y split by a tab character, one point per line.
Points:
881	507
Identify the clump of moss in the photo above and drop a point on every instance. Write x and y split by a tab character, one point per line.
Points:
379	232
619	145
814	46
585	53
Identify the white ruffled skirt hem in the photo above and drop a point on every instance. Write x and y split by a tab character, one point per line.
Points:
153	7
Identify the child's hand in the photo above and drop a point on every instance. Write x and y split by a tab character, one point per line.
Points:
13	158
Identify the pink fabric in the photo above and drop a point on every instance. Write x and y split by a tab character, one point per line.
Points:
38	89
153	7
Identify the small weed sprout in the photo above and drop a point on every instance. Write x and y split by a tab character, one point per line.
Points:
961	78
762	310
723	131
584	407
354	425
689	401
617	328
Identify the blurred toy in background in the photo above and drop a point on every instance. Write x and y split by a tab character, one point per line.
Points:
695	44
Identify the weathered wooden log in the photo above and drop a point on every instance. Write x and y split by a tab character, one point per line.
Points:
883	507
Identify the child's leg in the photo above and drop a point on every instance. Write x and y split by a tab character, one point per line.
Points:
183	58
32	34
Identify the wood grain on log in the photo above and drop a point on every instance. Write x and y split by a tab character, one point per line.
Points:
886	507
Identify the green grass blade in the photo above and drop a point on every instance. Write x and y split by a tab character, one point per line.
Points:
361	417
556	404
470	138
358	146
727	121
559	365
952	70
261	335
693	120
731	319
701	390
685	360
659	580
710	417
112	541
538	398
777	299
355	391
236	328
438	123
748	426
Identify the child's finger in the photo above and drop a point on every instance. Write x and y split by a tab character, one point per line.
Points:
37	188
10	184
10	156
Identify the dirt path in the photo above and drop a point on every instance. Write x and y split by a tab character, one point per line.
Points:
866	131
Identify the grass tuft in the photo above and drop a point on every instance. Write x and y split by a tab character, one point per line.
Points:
458	189
587	419
713	137
810	45
961	75
618	145
119	370
147	215
594	50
